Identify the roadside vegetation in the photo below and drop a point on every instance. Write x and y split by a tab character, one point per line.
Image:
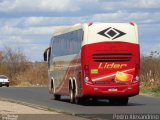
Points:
22	72
150	73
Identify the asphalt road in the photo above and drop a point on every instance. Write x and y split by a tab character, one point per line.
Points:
40	96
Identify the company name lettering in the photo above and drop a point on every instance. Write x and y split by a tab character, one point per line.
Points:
111	66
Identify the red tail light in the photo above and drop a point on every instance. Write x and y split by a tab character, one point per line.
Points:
132	23
86	74
89	24
86	71
137	72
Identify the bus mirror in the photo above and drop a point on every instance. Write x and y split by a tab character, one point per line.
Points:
46	54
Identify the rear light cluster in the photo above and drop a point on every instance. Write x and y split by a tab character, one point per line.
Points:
132	23
137	73
89	24
86	74
137	78
86	79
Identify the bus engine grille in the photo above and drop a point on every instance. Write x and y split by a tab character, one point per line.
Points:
112	57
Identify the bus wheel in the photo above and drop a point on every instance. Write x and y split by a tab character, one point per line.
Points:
72	95
56	97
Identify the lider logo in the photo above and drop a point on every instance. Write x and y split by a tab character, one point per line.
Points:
111	33
111	66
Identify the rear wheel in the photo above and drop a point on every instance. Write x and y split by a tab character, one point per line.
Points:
73	98
56	96
72	95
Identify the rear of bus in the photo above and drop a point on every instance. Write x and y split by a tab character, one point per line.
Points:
111	60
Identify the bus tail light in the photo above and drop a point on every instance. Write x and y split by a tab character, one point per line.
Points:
89	24
137	73
86	74
132	23
137	78
86	79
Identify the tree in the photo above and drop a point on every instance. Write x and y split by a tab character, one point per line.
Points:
14	60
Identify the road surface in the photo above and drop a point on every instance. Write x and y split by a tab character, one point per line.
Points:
40	96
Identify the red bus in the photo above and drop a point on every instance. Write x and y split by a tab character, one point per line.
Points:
93	61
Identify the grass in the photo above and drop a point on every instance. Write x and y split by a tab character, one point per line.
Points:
149	92
50	110
25	84
150	74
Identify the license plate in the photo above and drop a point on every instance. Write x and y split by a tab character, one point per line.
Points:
112	89
3	83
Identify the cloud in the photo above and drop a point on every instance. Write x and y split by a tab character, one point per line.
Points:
130	4
37	5
33	47
143	3
37	51
54	21
7	5
29	24
61	8
9	30
14	41
122	16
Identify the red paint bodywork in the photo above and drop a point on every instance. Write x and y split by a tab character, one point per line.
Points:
113	54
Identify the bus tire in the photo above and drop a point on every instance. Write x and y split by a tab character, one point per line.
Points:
56	96
72	95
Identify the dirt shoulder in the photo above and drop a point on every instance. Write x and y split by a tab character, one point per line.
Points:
14	111
14	108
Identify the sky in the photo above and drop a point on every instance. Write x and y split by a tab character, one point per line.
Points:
29	24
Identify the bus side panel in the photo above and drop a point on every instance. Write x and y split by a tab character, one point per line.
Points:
63	73
65	60
72	71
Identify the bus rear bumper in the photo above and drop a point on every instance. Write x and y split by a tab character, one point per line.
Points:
111	91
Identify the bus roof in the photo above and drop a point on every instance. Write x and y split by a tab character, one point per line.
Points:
66	29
